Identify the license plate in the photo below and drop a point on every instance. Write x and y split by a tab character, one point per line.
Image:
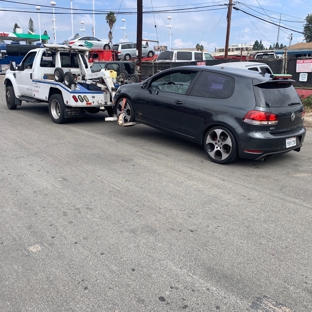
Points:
290	142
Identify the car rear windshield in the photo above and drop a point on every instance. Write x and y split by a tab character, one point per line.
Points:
276	94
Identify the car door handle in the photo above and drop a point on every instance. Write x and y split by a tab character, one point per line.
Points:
178	102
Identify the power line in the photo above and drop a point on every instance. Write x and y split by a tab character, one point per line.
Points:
262	19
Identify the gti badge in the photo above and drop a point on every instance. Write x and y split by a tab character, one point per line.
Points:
292	117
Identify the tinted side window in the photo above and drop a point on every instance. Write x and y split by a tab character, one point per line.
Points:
184	56
177	82
166	55
47	60
198	56
29	59
214	85
69	60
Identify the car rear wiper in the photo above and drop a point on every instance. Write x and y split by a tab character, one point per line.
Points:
293	104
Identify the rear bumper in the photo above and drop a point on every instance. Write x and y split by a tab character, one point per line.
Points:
259	145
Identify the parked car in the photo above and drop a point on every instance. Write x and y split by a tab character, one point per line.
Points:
125	69
255	66
231	112
127	50
90	42
183	56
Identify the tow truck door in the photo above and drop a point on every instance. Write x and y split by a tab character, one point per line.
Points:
24	74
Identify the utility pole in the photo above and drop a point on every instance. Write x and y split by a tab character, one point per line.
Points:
139	34
229	16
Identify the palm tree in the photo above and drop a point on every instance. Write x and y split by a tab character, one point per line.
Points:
199	47
111	20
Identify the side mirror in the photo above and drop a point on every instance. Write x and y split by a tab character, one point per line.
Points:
12	66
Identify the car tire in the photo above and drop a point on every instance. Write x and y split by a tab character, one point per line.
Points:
106	47
69	79
150	54
134	78
59	74
57	108
10	97
127	57
128	110
220	145
123	75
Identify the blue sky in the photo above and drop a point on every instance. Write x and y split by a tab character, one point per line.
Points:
191	22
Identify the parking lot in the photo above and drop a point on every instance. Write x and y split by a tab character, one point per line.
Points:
98	217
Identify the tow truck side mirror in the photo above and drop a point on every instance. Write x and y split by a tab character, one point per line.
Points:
12	66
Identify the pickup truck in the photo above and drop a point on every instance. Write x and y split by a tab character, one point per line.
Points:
60	75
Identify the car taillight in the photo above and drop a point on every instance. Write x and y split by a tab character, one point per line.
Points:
255	117
71	42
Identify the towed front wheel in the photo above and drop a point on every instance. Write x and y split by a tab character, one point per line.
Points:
127	110
57	109
220	145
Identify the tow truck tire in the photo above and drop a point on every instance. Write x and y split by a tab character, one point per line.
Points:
123	75
57	108
59	74
69	79
10	97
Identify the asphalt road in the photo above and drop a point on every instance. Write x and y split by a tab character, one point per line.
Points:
96	217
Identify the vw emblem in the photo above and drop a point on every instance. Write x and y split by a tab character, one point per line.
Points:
292	117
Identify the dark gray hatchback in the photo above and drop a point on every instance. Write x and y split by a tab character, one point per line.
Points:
231	112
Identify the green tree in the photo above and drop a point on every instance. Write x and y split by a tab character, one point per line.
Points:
258	45
110	20
307	29
199	47
15	26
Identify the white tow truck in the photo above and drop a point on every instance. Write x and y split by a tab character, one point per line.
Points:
60	75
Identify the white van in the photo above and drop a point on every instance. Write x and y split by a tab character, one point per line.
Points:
183	56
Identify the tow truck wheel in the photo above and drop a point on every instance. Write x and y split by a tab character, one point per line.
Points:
59	74
10	97
57	108
69	79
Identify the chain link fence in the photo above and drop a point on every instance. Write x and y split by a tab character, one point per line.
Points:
278	66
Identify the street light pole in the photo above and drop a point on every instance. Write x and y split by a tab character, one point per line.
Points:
38	9
93	30
53	3
84	28
124	28
170	33
72	18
